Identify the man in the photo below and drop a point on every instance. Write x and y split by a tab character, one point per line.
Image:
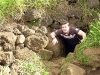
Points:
71	36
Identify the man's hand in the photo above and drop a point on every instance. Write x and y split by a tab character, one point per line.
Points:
54	41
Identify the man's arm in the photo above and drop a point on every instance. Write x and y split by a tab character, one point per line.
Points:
54	39
83	34
53	35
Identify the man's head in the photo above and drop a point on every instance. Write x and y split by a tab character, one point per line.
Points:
65	27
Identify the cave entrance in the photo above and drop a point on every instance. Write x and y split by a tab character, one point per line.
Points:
67	48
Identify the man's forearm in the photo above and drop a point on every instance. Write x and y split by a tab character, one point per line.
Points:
53	35
83	34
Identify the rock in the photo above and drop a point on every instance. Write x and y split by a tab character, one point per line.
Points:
71	69
53	68
36	42
19	46
93	4
22	28
93	54
7	40
57	49
32	14
28	32
6	58
24	54
20	39
43	30
45	54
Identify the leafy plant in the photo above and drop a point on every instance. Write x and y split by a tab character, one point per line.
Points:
64	68
92	40
87	12
34	67
10	7
42	3
34	22
68	59
5	70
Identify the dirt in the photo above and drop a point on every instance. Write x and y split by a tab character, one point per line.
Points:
90	71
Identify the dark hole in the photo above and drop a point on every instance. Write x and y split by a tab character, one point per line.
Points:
67	48
3	63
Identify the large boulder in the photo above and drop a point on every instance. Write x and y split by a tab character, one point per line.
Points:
93	4
56	49
71	69
36	42
94	54
32	14
20	39
45	54
6	58
24	54
7	40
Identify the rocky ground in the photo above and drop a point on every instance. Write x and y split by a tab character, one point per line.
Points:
90	71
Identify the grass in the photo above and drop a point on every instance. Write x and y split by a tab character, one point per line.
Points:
93	36
43	3
10	7
87	12
35	67
92	40
5	70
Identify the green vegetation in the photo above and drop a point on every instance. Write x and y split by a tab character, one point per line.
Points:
93	36
63	68
35	67
43	3
92	40
88	12
5	70
34	22
69	59
10	7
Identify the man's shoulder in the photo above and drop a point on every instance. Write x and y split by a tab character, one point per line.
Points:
58	30
74	29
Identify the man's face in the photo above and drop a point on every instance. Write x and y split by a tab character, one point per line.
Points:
65	28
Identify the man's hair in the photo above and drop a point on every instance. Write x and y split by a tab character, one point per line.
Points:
64	22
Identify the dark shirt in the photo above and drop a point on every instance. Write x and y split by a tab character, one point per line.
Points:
72	37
